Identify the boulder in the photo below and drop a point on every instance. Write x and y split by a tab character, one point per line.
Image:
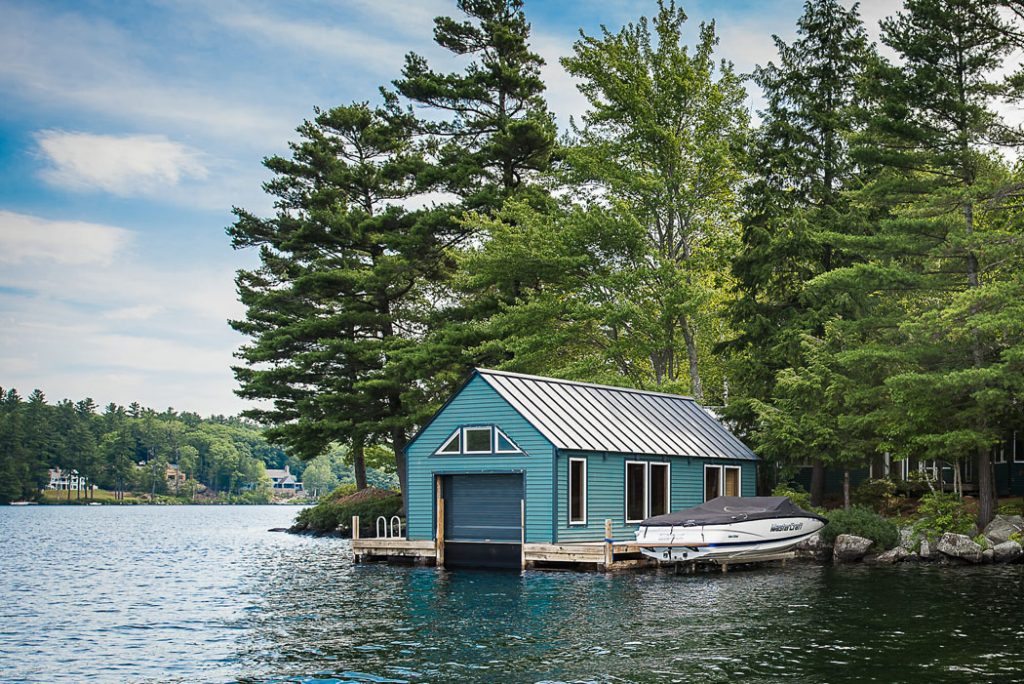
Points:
959	546
850	548
814	547
927	551
987	556
1007	552
1002	526
892	556
909	538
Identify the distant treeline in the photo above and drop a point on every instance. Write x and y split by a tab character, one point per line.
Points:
129	448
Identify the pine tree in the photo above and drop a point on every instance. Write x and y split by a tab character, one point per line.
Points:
945	251
340	290
794	207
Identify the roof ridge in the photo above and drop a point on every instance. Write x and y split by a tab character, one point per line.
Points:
576	383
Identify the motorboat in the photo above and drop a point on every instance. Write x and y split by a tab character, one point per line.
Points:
733	528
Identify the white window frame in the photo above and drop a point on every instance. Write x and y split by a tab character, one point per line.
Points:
704	482
647	485
490	439
515	447
668	485
583	522
739	478
455	435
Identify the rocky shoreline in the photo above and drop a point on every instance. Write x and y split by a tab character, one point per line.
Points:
999	545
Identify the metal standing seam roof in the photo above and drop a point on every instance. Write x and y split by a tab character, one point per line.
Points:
583	417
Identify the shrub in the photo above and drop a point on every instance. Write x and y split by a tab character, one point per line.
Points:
335	511
862	522
941	512
1017	537
1012	507
879	495
795	493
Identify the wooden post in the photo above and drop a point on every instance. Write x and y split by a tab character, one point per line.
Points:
355	535
607	543
522	534
439	534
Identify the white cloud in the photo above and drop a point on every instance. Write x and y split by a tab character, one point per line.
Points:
332	41
25	238
120	164
85	313
66	61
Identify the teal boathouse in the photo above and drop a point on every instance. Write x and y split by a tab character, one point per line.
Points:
514	462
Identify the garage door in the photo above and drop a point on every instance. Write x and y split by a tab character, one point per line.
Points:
482	515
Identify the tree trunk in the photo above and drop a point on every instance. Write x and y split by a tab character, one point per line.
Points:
359	462
846	488
986	489
817	483
398	442
696	389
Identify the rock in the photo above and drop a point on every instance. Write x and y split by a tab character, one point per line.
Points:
278	529
959	546
987	556
926	552
1007	552
1002	526
908	538
850	548
892	556
814	547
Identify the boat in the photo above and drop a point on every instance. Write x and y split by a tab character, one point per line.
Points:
24	503
728	528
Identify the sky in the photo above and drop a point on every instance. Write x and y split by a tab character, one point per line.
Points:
128	131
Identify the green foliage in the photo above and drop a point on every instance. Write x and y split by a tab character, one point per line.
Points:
336	510
941	512
122	451
1017	537
1012	507
796	494
862	522
878	495
982	541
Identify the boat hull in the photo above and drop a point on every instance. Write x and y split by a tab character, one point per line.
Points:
731	541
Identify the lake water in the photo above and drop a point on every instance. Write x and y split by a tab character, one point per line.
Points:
207	594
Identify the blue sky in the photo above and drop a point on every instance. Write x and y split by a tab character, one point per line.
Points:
129	130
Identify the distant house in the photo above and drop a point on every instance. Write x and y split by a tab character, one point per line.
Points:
283	482
175	478
63	480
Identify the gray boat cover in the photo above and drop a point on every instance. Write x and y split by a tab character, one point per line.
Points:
731	509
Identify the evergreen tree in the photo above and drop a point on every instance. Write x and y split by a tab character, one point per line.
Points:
341	287
794	207
946	251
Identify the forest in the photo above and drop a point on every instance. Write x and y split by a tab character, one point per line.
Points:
842	271
124	450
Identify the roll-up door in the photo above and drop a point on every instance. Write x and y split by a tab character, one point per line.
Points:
483	520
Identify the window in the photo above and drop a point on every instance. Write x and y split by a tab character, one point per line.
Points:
478	440
453	445
732	480
1018	448
660	489
712	482
636	491
504	445
577	491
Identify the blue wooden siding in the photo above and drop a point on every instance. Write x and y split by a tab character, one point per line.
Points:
606	490
479	404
